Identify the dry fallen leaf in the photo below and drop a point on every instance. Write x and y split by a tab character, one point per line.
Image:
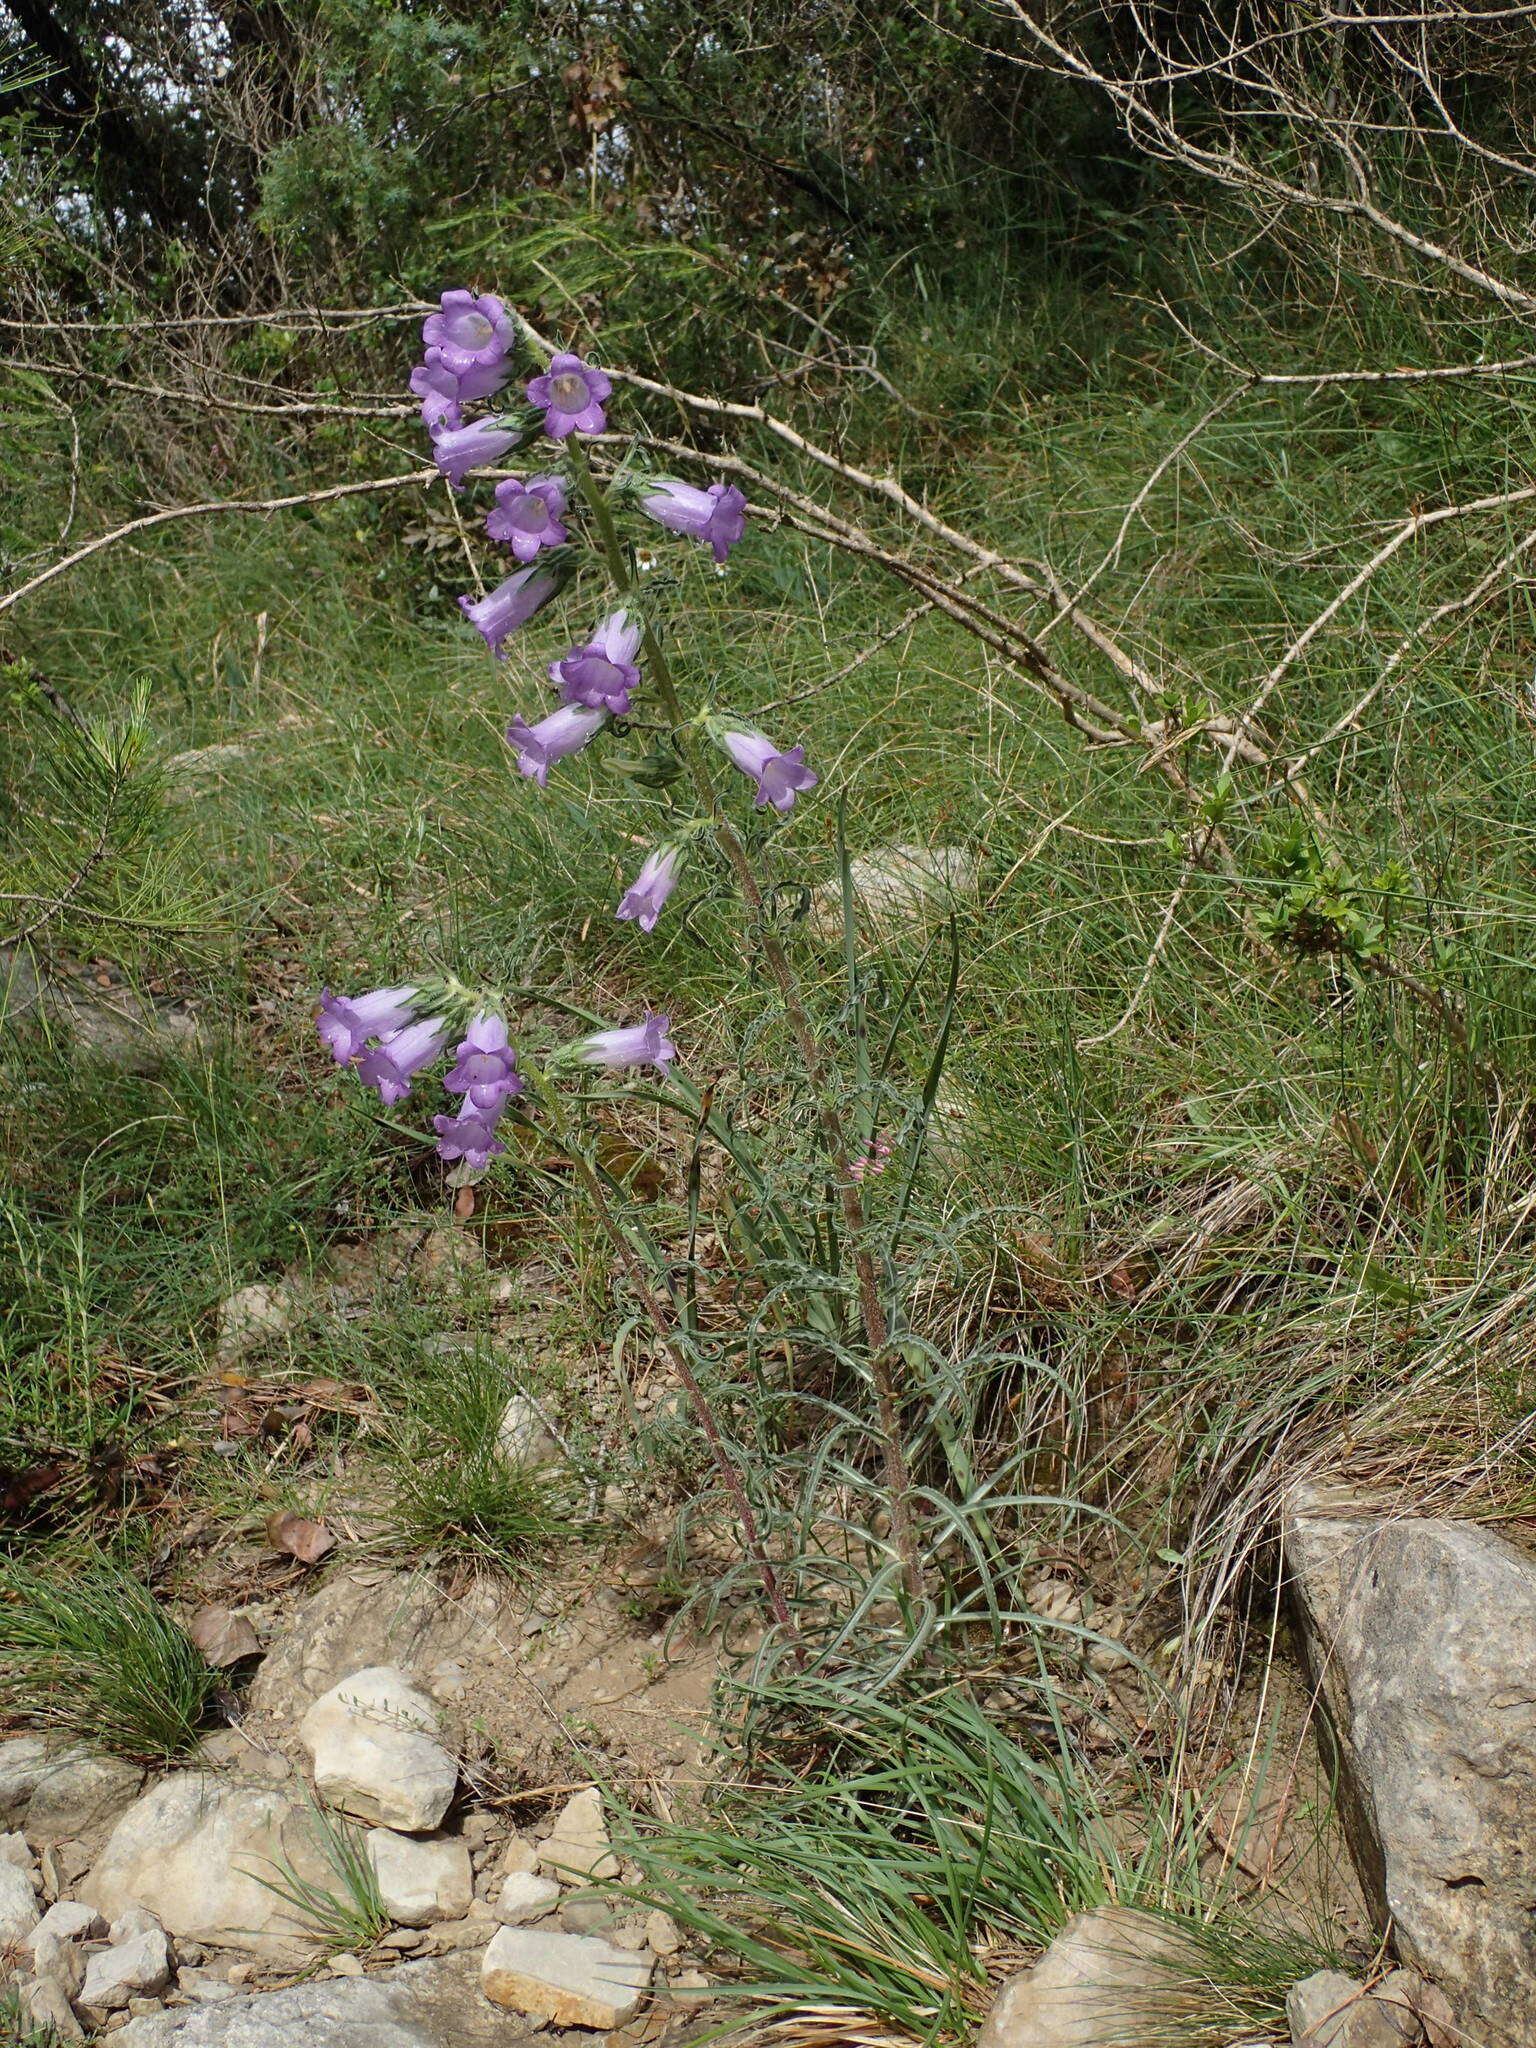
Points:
307	1541
224	1637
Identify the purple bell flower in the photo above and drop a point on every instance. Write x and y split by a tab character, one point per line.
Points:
467	1136
631	1045
778	776
718	515
565	731
438	390
487	1068
572	396
457	450
602	673
646	895
472	333
392	1066
528	515
508	606
346	1023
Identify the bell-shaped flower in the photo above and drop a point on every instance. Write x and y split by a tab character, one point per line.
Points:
346	1023
438	390
510	605
630	1045
778	776
717	516
528	515
647	894
487	1067
572	395
565	731
467	1136
471	332
602	673
458	450
392	1066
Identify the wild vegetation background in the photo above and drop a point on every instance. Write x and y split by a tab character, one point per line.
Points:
1136	401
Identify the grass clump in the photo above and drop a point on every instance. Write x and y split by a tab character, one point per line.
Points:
344	1919
888	1857
96	1656
457	1481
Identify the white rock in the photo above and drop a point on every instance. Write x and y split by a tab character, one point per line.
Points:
48	2004
194	1850
524	1897
523	1440
1109	1976
374	1742
573	1980
130	1969
253	1314
78	1797
519	1854
421	1881
23	1760
18	1904
661	1934
1330	2010
204	1987
132	1922
14	1850
70	1920
895	887
577	1850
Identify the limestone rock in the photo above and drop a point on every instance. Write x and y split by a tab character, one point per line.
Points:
434	2004
23	1759
70	1920
116	1026
524	1897
518	1855
14	1850
252	1315
1110	1975
1330	2010
193	1851
523	1440
58	1794
376	1754
137	1968
895	887
421	1881
48	2005
571	1979
577	1851
1421	1636
661	1934
18	1904
366	1619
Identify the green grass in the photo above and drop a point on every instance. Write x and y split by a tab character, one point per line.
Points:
349	1914
93	1654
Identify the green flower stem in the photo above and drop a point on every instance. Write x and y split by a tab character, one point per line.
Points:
665	1327
882	1357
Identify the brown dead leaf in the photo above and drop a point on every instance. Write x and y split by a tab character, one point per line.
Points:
223	1636
305	1540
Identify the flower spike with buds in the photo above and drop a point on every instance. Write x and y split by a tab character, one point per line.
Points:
471	333
630	1045
528	515
346	1023
563	732
467	1136
602	673
779	776
508	606
486	1071
571	394
717	516
457	450
393	1065
646	896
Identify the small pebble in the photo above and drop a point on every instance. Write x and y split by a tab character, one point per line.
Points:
346	1966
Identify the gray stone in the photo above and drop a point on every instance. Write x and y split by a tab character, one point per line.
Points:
577	1850
374	1741
79	1797
588	1916
115	1026
895	888
136	1968
252	1315
1330	2010
569	1979
518	1855
523	1438
48	2005
18	1905
70	1920
23	1759
524	1897
1110	1976
1421	1638
361	1620
194	1851
14	1849
421	1881
205	1987
435	2004
661	1933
